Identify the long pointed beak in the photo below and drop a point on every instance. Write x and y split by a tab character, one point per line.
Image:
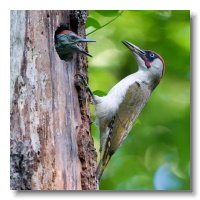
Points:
80	49
133	48
86	53
85	40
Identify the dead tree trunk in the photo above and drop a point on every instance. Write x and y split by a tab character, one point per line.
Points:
51	144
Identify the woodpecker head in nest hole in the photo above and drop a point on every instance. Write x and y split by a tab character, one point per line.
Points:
67	43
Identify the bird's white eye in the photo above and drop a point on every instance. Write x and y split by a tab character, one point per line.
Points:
152	55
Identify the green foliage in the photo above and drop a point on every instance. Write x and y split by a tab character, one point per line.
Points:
156	153
110	13
99	93
92	22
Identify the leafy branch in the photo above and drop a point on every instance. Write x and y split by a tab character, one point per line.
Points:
106	23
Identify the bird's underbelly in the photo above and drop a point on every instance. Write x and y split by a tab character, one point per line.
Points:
106	110
106	107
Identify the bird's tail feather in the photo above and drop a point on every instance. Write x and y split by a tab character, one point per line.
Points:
101	166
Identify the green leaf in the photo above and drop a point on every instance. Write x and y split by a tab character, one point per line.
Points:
99	93
92	22
119	14
108	13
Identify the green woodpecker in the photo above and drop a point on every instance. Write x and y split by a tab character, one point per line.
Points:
118	110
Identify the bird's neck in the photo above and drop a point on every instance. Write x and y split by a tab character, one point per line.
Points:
151	79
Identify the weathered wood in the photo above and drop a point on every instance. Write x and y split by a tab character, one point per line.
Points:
51	144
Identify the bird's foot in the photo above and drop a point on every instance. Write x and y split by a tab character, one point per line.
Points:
86	88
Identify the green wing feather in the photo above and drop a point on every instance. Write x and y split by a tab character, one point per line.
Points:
128	112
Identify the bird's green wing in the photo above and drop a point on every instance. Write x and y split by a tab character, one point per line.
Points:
133	102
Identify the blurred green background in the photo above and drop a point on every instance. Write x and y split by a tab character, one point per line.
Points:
156	153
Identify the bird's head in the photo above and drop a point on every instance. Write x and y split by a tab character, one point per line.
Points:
66	42
72	38
148	61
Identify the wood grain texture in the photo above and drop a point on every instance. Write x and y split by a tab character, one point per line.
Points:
51	143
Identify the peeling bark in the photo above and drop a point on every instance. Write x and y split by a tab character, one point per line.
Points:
50	141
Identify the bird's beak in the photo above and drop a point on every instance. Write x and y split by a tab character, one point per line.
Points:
85	40
85	52
133	48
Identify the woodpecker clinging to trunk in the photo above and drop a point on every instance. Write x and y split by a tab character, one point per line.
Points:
66	43
117	111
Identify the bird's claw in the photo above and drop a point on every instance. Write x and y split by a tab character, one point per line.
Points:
86	88
83	77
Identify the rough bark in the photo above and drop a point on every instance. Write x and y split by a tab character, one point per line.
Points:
50	141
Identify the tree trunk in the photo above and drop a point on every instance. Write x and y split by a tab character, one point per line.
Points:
51	144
